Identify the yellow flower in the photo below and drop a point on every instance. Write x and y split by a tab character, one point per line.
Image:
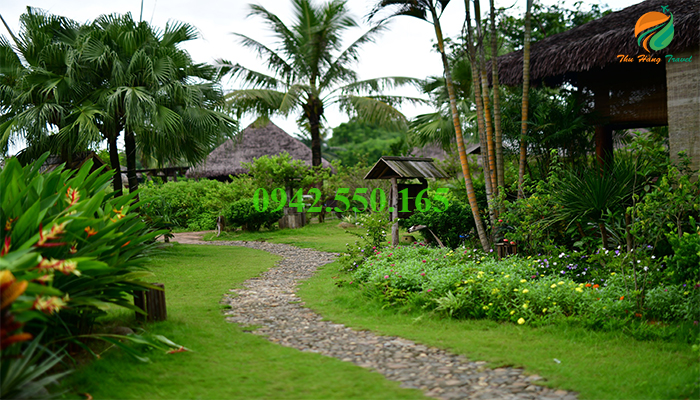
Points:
560	283
544	310
612	273
512	312
578	289
523	281
521	321
507	276
515	290
553	285
685	293
525	306
554	303
525	291
490	280
486	307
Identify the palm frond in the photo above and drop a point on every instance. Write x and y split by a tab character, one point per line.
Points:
374	111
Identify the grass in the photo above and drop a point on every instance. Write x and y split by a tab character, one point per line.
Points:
598	365
225	361
325	237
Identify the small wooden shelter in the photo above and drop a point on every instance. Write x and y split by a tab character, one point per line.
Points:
626	86
253	142
396	168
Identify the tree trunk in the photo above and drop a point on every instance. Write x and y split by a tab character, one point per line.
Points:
498	138
313	109
114	161
130	147
526	101
460	140
488	122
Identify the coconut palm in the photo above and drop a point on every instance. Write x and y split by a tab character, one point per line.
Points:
430	11
313	71
526	97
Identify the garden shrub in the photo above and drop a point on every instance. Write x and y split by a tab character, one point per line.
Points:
243	213
191	204
451	226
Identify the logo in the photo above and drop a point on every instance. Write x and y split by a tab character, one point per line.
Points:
654	30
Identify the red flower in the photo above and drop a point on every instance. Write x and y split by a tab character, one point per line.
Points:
6	247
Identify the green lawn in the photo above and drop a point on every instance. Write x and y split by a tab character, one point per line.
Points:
325	237
226	363
230	364
598	365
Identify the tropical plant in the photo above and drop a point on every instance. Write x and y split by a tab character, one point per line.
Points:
145	89
312	71
526	98
82	84
43	89
430	11
26	374
78	247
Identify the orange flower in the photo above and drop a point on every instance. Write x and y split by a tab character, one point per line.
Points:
596	286
90	231
53	233
72	196
8	223
125	244
10	289
48	305
65	266
180	350
588	285
622	298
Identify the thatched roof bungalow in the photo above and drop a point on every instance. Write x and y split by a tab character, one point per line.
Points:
629	87
254	142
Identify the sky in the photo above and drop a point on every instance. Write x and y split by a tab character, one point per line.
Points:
405	49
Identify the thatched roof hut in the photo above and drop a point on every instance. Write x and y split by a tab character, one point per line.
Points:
629	87
598	43
254	142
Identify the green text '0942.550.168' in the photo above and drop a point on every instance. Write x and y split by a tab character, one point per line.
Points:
377	200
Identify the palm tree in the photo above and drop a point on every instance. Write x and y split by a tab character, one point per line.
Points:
526	97
312	71
147	92
42	90
421	9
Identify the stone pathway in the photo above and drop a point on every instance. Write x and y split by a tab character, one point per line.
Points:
270	302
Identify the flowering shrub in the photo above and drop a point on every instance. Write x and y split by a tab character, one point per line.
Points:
375	227
468	283
76	247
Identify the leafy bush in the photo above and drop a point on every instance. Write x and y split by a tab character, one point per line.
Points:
194	205
78	248
243	213
452	225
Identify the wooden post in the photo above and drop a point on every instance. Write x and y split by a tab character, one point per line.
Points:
152	301
394	212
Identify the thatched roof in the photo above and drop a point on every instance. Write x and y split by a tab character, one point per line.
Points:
599	42
254	142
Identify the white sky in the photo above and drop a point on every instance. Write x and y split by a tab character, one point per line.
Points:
403	50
